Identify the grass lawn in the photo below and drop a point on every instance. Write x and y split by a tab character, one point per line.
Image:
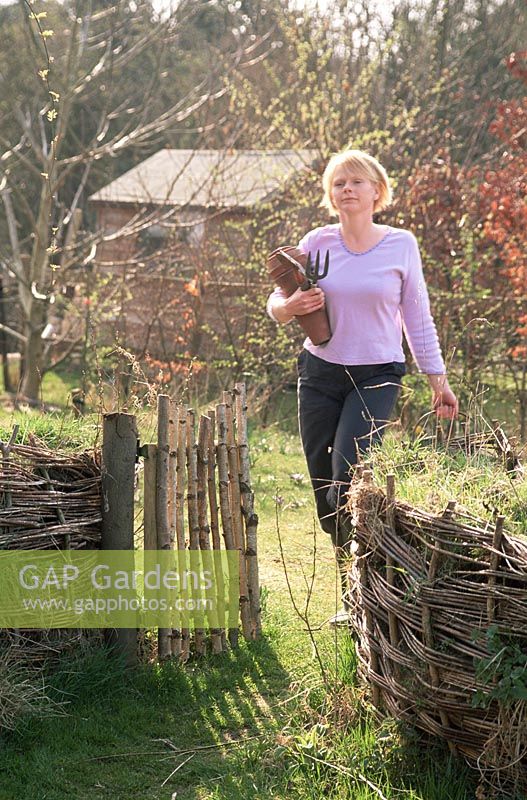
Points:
279	718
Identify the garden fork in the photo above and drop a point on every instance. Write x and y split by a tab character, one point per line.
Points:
313	272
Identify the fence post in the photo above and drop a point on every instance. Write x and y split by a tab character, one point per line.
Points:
164	640
119	450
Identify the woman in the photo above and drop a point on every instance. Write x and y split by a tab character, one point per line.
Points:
347	388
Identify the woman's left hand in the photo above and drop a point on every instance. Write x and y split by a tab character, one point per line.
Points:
444	401
445	404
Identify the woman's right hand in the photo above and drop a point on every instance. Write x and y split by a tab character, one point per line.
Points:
301	303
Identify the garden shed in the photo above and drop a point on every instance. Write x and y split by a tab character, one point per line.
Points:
171	230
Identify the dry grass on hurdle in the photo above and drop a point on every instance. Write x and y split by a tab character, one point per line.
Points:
439	605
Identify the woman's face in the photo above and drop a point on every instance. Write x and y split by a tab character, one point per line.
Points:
352	193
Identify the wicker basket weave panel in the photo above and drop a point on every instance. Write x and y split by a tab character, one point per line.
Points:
49	499
424	592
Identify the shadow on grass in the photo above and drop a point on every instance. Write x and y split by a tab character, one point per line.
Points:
219	729
126	732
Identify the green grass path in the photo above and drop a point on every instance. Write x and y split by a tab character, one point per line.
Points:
257	722
224	712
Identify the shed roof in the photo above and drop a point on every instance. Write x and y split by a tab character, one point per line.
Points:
206	178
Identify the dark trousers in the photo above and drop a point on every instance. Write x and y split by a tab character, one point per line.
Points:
342	411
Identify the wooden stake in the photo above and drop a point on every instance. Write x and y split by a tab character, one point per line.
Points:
493	567
192	487
5	448
428	631
149	488
393	623
214	520
193	513
506	446
173	422
202	481
119	452
172	466
162	483
237	521
162	497
181	463
225	506
367	477
211	476
249	516
204	529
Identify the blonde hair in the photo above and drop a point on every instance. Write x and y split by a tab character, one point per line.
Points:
363	165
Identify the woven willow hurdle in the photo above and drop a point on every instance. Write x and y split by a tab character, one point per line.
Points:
491	441
428	593
48	499
197	493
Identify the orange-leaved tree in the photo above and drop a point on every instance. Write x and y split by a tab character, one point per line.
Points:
503	201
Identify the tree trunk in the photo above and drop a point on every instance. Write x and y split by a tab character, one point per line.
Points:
33	354
3	342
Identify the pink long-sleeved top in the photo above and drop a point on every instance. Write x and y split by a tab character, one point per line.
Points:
371	298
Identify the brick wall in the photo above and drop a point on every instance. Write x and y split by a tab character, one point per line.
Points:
167	298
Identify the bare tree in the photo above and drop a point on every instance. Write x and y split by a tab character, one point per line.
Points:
111	64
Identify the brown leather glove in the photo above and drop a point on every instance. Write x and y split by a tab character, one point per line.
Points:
289	278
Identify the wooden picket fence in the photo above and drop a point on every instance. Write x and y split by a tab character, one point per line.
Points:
198	496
